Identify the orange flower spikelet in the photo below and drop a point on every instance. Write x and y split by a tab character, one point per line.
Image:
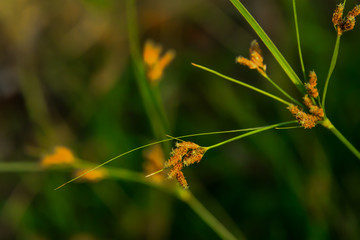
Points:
305	120
311	85
92	176
313	109
337	18
344	24
256	59
61	156
181	180
156	64
184	154
151	52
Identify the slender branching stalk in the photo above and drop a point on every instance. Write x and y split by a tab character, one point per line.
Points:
327	124
151	102
243	84
196	205
331	69
283	91
251	133
298	39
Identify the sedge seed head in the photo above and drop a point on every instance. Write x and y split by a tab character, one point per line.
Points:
175	169
154	63
60	156
307	101
306	120
349	24
337	15
184	154
256	58
91	176
181	180
354	12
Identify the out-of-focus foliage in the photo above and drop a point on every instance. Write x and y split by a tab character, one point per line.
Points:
66	79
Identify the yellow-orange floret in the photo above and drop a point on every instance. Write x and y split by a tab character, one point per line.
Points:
181	180
184	154
92	176
154	63
256	59
61	156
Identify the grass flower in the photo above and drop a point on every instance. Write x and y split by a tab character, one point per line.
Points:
256	59
61	156
184	154
311	85
154	62
91	176
344	24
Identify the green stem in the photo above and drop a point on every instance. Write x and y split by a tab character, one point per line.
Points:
331	69
243	84
152	108
326	123
215	224
251	133
282	90
19	167
298	39
270	45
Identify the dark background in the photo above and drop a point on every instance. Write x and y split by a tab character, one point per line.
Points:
66	78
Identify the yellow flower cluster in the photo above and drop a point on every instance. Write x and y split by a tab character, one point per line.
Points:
61	156
92	176
156	64
256	59
344	24
185	154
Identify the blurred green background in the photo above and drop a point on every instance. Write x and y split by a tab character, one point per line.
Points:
67	78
